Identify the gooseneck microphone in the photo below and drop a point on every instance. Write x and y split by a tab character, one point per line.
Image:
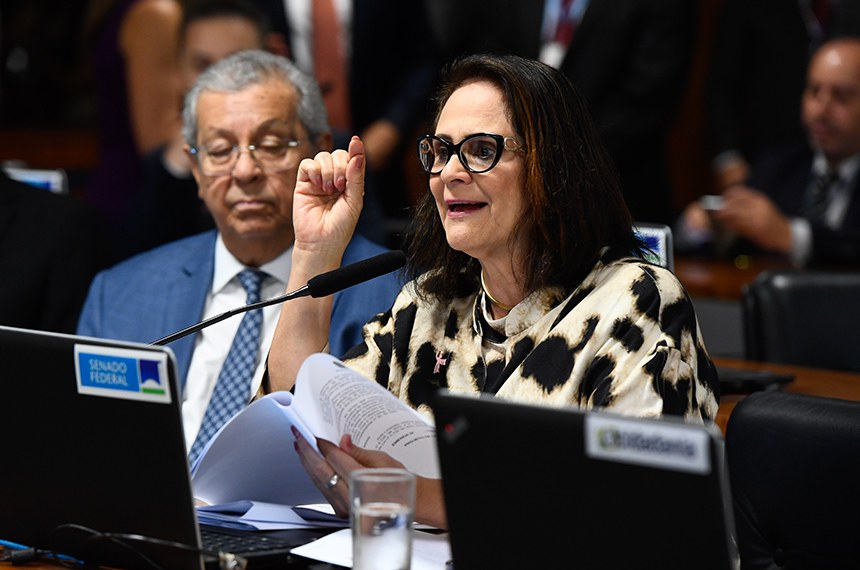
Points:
322	285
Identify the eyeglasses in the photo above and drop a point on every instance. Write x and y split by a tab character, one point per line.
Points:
272	156
478	153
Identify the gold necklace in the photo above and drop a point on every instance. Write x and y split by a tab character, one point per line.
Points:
492	299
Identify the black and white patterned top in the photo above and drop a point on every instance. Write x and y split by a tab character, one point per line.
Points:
626	339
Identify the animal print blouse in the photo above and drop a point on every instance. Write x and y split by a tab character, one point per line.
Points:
626	339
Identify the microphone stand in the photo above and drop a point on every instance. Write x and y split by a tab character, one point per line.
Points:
302	292
322	285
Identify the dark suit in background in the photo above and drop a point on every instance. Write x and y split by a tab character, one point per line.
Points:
629	58
784	173
758	72
50	248
392	71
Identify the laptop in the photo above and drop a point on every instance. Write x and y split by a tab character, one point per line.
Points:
658	241
540	487
93	444
52	179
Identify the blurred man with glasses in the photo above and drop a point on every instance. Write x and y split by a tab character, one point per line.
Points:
248	122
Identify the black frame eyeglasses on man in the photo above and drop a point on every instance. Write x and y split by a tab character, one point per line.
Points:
478	153
220	159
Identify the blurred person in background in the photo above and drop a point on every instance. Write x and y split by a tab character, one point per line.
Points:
166	204
757	74
800	199
629	58
133	47
376	62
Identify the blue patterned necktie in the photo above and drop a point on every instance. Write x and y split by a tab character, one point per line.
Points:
233	389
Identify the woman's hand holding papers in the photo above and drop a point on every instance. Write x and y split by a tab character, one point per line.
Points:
344	459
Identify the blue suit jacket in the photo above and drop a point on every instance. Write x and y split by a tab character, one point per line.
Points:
163	290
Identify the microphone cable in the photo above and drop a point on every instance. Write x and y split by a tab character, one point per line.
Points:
20	554
130	542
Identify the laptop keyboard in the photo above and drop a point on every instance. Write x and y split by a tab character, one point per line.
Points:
261	549
242	544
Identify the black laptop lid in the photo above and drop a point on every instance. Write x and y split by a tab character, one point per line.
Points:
92	436
538	487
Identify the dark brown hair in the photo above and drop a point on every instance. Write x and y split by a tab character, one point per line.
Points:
574	201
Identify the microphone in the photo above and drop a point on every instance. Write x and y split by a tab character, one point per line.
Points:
322	285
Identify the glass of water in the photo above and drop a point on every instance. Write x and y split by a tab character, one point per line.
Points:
382	509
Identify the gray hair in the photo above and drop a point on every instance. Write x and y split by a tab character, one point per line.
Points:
253	67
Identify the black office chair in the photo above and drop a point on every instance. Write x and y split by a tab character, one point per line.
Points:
794	470
807	318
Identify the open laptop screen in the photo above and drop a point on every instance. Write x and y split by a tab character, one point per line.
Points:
92	433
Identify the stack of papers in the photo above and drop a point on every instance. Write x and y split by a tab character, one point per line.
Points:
257	515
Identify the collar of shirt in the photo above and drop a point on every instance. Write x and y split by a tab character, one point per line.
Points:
840	192
840	197
847	169
213	343
227	267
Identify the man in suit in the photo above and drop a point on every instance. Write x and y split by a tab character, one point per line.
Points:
801	200
757	74
50	248
629	58
248	122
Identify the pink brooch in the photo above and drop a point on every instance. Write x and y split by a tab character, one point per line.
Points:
439	362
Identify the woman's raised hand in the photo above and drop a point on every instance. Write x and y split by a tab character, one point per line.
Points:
328	198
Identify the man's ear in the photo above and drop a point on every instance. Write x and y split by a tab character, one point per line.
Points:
195	167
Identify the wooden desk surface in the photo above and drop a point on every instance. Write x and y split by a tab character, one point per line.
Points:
721	278
813	381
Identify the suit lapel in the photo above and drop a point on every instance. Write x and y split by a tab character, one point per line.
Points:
185	298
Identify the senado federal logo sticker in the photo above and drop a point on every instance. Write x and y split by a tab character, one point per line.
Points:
652	443
127	374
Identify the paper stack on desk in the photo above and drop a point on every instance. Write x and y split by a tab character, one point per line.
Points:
256	515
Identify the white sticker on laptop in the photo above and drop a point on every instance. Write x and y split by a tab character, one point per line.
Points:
122	373
654	444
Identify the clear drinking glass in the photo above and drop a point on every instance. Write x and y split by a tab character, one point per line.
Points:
382	510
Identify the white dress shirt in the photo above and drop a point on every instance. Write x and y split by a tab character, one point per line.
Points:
213	343
301	38
552	52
